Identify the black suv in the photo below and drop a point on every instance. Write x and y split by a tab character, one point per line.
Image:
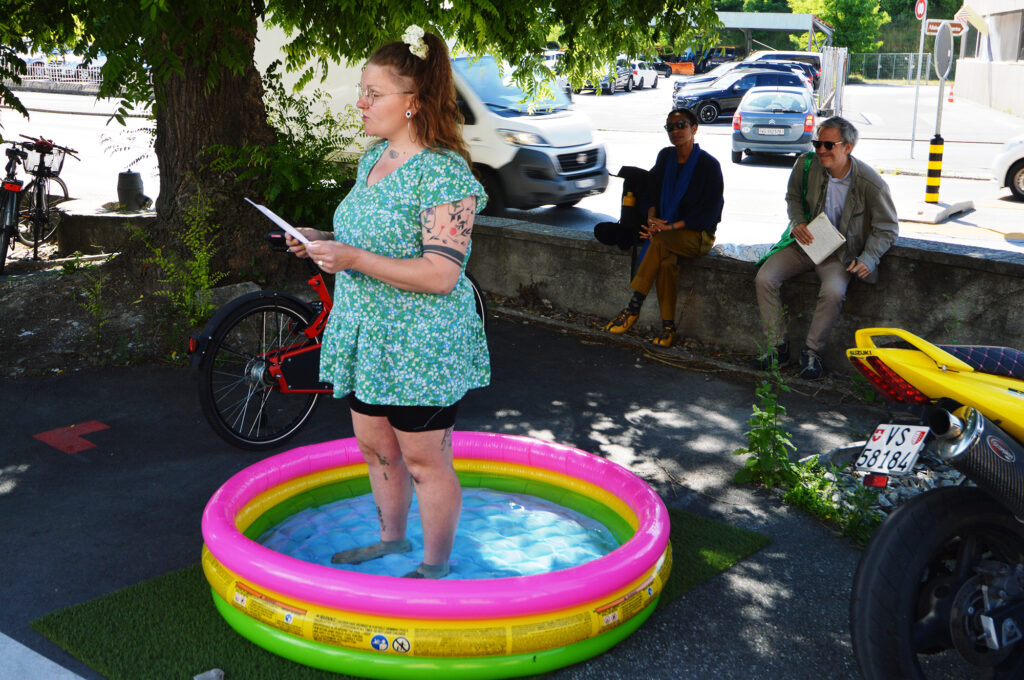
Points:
724	94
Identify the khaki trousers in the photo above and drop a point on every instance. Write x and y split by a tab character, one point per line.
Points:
660	265
784	265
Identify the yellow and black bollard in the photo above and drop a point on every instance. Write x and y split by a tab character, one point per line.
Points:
931	190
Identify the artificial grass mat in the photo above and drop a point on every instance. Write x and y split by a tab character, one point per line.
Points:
167	627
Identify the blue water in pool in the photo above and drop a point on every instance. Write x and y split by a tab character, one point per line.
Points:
500	534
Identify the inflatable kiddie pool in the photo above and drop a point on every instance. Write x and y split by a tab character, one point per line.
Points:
386	627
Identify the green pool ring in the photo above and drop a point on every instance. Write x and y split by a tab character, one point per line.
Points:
393	667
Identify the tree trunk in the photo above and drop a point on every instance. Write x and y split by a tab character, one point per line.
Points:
190	117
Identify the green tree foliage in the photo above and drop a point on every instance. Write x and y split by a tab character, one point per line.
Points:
192	60
856	22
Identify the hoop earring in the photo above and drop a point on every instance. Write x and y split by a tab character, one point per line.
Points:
408	114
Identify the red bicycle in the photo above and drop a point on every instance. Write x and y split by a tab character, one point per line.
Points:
258	361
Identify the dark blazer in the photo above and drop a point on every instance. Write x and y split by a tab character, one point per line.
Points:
701	206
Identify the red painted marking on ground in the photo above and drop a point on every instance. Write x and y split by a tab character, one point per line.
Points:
70	439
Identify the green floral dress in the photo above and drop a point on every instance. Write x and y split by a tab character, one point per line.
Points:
393	346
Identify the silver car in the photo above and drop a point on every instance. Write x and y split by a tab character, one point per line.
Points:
773	120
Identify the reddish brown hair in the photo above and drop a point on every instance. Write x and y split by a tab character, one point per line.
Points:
438	124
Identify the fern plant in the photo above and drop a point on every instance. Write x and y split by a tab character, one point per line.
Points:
188	277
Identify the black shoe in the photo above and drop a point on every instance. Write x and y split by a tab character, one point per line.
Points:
811	367
779	355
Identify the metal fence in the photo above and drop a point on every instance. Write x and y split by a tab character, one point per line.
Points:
56	72
895	66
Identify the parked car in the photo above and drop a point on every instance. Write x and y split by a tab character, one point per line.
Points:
734	66
721	55
619	77
773	120
553	60
643	74
724	95
663	68
802	66
704	78
812	58
1008	166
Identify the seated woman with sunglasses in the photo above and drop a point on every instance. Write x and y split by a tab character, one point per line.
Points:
684	200
857	201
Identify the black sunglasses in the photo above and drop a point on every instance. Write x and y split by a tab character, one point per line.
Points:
817	144
678	125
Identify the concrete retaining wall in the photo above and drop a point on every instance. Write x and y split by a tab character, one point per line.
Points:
944	293
947	294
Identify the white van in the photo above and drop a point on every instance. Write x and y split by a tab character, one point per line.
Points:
526	156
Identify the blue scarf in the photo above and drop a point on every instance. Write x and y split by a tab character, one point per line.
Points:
675	183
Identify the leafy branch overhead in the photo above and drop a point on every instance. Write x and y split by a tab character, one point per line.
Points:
145	42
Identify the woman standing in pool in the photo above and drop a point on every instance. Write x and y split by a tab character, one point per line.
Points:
404	342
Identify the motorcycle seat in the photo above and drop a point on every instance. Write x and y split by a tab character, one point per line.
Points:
992	360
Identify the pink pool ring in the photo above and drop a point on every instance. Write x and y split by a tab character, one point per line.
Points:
234	563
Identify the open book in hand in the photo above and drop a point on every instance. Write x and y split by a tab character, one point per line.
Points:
827	239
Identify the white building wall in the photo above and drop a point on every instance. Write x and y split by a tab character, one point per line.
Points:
995	76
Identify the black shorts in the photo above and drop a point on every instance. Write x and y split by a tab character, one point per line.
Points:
409	418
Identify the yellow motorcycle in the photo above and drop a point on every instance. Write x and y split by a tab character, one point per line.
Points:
939	591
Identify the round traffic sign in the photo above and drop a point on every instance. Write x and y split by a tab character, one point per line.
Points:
943	50
920	9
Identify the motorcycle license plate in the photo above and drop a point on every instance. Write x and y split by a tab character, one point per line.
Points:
892	449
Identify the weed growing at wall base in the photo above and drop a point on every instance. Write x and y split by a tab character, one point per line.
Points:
808	486
188	278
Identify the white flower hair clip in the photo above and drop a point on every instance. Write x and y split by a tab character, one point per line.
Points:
413	37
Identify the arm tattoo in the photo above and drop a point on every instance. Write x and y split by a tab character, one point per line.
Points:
456	256
447	228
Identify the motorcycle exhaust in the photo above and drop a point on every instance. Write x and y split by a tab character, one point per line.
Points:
984	453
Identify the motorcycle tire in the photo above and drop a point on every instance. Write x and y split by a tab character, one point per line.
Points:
918	565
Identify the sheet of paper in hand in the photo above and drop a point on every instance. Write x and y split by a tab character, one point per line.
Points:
827	239
279	221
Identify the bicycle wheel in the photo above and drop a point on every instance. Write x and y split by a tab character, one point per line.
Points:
479	300
48	228
240	399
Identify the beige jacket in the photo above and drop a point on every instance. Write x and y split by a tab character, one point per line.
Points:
869	220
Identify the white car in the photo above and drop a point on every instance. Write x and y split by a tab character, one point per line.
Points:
553	60
1008	166
643	75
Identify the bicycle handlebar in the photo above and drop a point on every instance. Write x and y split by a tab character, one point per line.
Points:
45	145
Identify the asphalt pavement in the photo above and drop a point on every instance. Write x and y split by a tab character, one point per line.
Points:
77	526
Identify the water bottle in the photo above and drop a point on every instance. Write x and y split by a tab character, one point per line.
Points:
629	218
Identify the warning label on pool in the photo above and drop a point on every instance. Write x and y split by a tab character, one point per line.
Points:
269	610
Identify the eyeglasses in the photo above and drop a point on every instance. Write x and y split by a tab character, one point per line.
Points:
678	125
372	96
817	144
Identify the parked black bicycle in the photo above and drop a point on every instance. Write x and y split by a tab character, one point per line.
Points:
10	200
39	219
27	213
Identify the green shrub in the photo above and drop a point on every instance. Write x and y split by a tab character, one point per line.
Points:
301	176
